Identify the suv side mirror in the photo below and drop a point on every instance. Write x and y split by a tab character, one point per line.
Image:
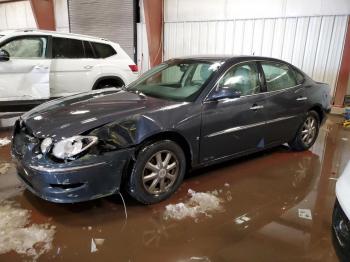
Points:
225	92
4	56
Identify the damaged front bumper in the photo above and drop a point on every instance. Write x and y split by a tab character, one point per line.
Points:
89	177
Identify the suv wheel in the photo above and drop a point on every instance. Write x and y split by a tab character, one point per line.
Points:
307	133
157	172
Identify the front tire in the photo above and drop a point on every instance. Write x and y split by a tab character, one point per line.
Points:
158	172
307	133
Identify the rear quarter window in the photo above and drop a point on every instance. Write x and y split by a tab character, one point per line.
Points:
103	50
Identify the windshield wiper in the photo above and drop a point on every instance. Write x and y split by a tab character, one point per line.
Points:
142	95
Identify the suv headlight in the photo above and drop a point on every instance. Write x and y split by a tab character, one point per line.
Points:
72	146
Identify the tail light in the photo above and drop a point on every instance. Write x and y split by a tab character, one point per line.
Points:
134	68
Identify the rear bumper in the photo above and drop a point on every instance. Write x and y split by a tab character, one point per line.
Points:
84	180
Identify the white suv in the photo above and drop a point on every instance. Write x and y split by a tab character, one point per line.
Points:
37	65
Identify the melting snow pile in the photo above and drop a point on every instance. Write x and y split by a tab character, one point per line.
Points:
4	141
199	203
4	167
16	235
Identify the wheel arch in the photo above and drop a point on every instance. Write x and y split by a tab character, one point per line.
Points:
318	109
111	79
172	136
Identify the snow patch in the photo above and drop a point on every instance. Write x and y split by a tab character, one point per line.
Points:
305	213
95	242
4	141
4	167
199	203
17	235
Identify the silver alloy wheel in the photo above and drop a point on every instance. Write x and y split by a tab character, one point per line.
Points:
160	172
308	131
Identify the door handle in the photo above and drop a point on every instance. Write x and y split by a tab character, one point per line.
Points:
41	67
303	98
88	67
256	107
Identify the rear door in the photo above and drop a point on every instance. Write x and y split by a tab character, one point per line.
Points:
73	66
26	75
285	101
234	126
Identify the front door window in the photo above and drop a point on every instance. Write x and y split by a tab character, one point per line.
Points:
242	78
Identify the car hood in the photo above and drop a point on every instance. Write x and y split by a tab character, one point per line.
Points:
342	190
74	115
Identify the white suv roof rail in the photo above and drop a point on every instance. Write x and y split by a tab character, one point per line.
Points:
60	33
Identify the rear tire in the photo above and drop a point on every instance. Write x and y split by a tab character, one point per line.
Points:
307	132
157	173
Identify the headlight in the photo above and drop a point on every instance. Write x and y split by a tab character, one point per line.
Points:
45	145
72	146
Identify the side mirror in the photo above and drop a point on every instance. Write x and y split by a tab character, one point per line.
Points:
4	56
225	92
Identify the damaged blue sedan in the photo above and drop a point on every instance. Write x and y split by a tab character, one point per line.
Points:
183	114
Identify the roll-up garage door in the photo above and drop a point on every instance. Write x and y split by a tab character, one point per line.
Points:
110	19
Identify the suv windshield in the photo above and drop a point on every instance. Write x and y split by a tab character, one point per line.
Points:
178	80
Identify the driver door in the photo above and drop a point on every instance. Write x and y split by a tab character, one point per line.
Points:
26	75
237	125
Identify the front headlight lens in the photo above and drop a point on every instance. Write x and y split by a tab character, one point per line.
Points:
46	144
70	147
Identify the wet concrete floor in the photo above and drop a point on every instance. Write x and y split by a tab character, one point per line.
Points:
261	198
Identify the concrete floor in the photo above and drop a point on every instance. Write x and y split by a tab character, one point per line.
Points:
259	221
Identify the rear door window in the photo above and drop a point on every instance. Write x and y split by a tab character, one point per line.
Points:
67	48
26	47
89	52
278	76
103	50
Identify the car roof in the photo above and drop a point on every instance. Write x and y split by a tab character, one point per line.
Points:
52	33
213	58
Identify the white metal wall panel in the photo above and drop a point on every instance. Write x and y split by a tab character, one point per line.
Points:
311	45
322	52
258	36
142	48
335	50
238	37
229	37
278	37
205	10
61	15
248	37
314	44
267	42
16	15
289	39
220	34
19	15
